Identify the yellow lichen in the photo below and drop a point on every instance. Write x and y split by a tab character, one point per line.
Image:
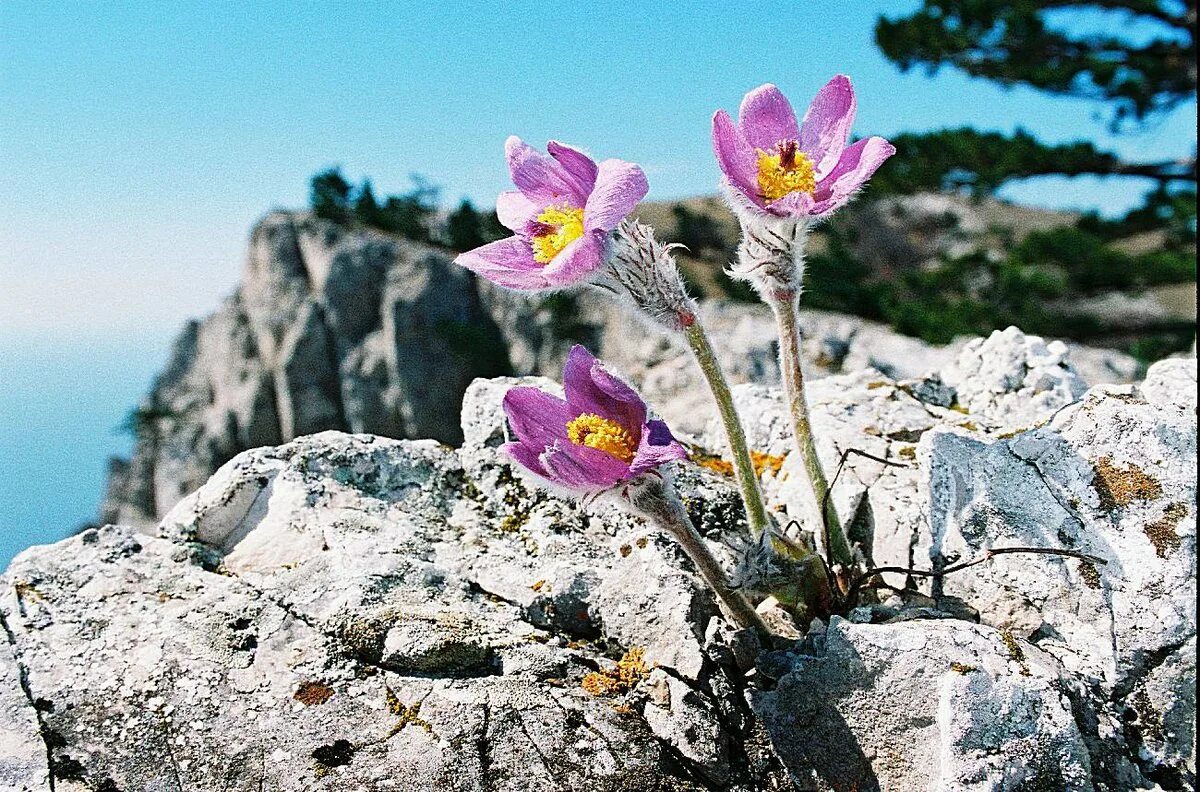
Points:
1014	650
630	670
1121	486
602	434
558	226
1089	574
408	715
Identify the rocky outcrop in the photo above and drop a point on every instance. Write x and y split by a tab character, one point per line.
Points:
345	611
362	332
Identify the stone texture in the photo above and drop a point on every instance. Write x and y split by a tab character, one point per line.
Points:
977	711
354	612
359	331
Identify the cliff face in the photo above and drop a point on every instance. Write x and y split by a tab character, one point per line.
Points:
333	329
328	330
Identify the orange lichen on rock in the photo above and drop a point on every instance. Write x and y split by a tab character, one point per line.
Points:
312	693
1161	533
630	670
1119	486
761	461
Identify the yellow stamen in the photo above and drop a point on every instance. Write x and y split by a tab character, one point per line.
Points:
560	226
785	171
593	431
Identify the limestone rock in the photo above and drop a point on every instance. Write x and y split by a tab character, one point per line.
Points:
356	330
925	706
1013	380
355	612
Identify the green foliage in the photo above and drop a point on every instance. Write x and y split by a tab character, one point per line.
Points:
965	159
464	227
468	228
698	232
1172	212
1017	43
408	215
329	196
979	292
143	421
366	208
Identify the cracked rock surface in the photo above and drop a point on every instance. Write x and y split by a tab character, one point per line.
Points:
332	328
348	612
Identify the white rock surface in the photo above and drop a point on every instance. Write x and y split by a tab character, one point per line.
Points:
351	612
358	331
940	705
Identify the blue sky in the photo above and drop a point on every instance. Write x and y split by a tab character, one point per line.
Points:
142	139
139	141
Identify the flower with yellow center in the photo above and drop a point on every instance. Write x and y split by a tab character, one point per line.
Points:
785	171
558	226
603	434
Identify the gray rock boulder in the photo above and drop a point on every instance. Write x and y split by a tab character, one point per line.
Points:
358	331
353	612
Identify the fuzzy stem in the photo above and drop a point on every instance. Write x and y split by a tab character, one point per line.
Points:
657	501
783	304
756	511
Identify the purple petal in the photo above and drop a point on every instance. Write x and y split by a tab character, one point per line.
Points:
590	388
584	468
507	262
736	157
658	447
795	204
857	165
528	458
827	123
766	118
578	166
515	210
619	187
577	260
537	418
540	177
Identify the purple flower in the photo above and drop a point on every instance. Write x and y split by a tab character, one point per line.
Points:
595	439
562	213
796	170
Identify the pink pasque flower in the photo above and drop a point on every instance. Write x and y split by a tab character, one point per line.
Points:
598	437
796	170
562	214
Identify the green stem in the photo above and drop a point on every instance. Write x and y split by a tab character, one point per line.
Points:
657	501
756	511
784	307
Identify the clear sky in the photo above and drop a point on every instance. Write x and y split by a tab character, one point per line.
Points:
141	140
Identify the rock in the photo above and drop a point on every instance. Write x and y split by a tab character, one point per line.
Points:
925	705
22	753
344	640
1113	476
356	330
355	612
1013	380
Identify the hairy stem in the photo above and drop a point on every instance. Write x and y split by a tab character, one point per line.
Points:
657	501
756	511
783	304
